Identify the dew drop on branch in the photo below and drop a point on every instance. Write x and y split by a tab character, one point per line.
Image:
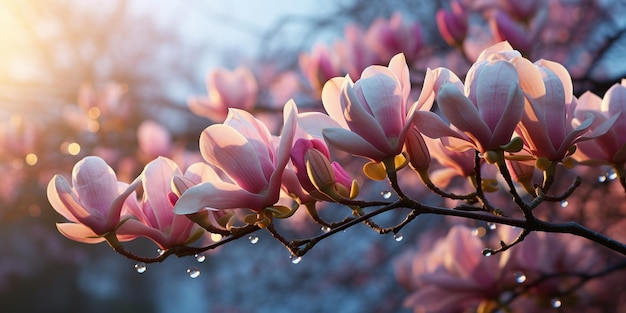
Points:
556	303
487	252
295	259
386	194
193	272
160	251
520	277
253	239
398	237
564	203
325	229
491	225
602	178
200	257
141	267
612	175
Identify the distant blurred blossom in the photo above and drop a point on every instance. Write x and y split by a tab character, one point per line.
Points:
227	89
388	37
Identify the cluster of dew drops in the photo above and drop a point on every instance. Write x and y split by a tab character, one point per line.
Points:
519	277
192	271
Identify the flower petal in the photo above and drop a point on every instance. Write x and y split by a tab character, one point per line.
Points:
217	195
226	148
79	233
350	142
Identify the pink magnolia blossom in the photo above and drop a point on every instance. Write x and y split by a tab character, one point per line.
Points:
611	147
319	66
227	89
153	139
155	218
452	24
354	54
92	204
506	28
486	110
458	276
390	37
549	127
243	148
305	168
370	115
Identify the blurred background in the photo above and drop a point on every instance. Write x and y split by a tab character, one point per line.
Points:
82	78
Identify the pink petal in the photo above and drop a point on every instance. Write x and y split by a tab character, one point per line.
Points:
217	195
383	96
400	69
63	201
157	185
290	114
95	184
530	78
431	125
78	232
224	147
135	228
331	95
462	113
350	142
314	122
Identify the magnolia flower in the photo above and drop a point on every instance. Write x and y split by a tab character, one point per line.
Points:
371	113
153	139
316	174
390	37
243	148
611	147
484	112
93	203
505	27
155	218
354	54
548	127
453	24
319	66
458	275
227	89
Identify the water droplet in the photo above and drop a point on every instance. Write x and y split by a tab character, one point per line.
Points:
487	252
556	303
193	272
520	277
564	203
491	225
200	257
386	194
253	239
325	229
295	259
602	178
398	237
612	175
160	251
141	267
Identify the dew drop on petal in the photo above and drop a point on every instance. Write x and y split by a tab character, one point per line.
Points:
602	178
193	272
491	225
295	259
487	252
253	239
386	194
141	267
612	175
200	257
564	203
556	303
325	229
520	277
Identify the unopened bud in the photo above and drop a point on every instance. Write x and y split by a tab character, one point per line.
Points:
419	156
